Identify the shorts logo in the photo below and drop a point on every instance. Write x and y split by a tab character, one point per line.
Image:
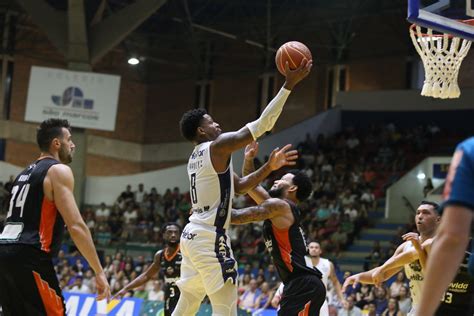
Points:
222	247
269	245
222	213
187	235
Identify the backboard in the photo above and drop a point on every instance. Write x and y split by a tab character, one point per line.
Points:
443	16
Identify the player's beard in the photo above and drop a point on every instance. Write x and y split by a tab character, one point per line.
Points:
173	243
64	155
276	193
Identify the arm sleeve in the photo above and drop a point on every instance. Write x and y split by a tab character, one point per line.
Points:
269	116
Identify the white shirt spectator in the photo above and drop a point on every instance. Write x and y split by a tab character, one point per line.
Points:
367	197
352	212
139	196
80	288
129	215
102	212
154	295
352	142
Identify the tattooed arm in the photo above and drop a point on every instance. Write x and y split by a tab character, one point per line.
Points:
269	209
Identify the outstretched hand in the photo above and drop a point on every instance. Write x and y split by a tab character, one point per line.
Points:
353	280
282	157
298	74
251	150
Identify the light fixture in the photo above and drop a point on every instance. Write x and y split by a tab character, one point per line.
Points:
133	61
421	176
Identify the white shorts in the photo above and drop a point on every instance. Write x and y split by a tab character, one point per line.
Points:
208	262
324	311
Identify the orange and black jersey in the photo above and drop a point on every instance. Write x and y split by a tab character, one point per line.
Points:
459	297
32	218
288	248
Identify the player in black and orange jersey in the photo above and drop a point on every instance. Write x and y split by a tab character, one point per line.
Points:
304	292
166	263
41	202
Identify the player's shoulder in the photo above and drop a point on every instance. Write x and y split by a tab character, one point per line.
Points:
467	146
60	171
158	255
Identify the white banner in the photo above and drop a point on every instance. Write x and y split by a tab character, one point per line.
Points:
85	99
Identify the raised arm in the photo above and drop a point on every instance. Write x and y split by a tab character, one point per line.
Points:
278	159
61	180
227	143
258	194
143	278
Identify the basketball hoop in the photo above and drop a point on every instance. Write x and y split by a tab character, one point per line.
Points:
442	55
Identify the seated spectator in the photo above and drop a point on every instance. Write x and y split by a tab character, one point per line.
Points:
349	308
397	284
127	195
248	299
364	296
271	276
330	226
140	194
79	286
323	212
140	292
369	310
102	213
380	301
264	299
351	211
157	293
392	308
404	300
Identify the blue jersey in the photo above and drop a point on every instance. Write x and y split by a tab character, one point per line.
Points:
459	188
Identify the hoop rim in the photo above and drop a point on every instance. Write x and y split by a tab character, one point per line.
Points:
423	34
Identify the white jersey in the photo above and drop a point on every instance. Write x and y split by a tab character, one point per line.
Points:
211	192
414	274
324	265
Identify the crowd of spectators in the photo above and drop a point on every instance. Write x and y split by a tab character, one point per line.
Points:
350	171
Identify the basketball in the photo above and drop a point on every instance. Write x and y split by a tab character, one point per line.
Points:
293	53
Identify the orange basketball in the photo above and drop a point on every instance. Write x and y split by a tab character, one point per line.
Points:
293	52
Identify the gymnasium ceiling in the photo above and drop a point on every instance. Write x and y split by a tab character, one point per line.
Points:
179	32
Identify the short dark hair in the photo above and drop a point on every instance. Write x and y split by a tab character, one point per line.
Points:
189	123
304	184
49	130
165	226
434	204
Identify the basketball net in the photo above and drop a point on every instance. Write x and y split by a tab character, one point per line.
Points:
442	55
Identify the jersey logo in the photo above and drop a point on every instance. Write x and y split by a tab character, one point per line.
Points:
187	235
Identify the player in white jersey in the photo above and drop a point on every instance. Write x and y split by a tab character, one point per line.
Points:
314	259
208	265
427	219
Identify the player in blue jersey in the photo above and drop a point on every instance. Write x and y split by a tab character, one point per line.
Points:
453	234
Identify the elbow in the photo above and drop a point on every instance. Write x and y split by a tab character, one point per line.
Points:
240	188
77	229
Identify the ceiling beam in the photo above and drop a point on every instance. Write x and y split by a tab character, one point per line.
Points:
111	31
78	48
51	21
